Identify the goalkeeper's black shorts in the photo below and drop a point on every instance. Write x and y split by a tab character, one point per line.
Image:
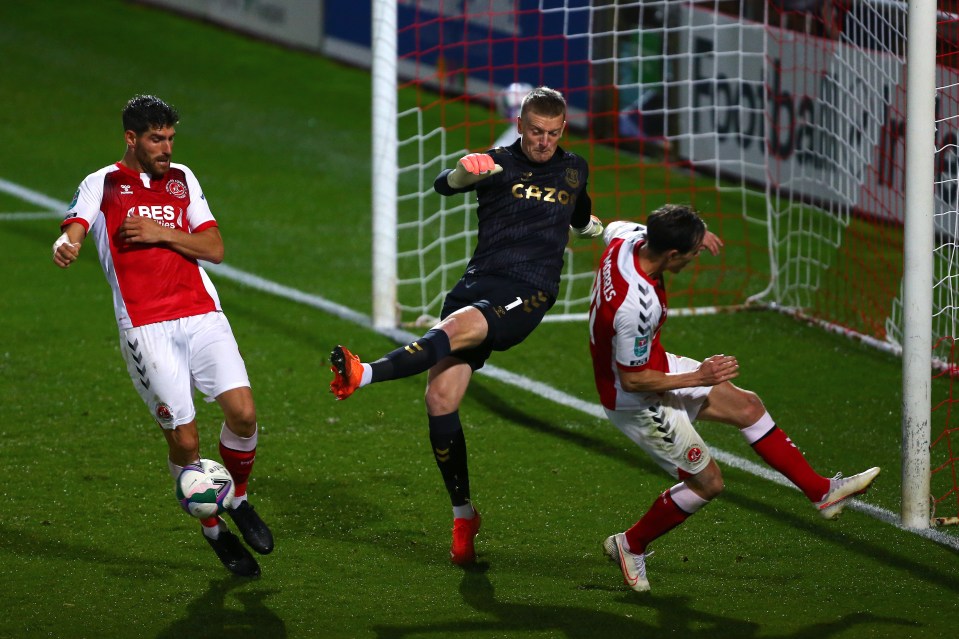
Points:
512	310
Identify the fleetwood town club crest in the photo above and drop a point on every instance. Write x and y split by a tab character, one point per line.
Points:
176	188
694	454
163	414
572	178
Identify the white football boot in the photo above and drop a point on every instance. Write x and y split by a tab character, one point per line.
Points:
632	565
841	489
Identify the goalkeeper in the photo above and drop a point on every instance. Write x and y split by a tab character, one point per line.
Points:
531	196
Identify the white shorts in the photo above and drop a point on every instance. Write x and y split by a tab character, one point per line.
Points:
665	429
167	360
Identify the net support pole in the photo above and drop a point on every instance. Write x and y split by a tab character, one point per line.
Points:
918	261
384	161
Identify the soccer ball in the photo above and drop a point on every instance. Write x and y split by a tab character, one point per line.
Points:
205	489
510	100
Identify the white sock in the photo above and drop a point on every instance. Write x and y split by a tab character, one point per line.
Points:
684	497
231	440
174	469
464	512
213	532
757	431
237	501
367	375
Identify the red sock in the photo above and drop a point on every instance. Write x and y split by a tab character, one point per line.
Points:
240	465
779	452
662	516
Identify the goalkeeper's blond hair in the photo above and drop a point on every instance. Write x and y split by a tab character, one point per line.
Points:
544	101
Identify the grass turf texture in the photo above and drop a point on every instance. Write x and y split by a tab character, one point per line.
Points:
93	544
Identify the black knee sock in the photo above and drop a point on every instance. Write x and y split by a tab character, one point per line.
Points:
414	358
449	449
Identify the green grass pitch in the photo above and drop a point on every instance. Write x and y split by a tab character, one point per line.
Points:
92	543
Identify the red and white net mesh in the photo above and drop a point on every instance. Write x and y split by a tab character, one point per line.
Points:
782	122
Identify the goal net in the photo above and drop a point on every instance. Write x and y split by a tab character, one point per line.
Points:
619	67
782	122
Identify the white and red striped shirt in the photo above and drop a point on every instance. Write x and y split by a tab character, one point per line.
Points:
150	283
626	314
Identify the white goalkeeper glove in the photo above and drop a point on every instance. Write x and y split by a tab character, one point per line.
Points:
593	229
471	169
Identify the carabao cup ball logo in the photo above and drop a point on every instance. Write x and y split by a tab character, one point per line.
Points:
205	489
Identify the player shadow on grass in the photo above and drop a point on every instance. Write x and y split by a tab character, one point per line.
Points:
509	619
481	393
209	616
27	543
790	512
670	614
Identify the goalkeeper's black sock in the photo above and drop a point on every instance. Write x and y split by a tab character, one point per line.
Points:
449	449
414	358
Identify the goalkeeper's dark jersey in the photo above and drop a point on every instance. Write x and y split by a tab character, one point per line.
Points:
524	215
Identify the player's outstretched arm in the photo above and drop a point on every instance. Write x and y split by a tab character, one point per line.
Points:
472	168
66	249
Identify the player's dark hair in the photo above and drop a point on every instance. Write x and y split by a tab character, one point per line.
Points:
145	112
674	227
544	101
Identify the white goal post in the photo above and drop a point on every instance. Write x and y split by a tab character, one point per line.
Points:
384	163
917	264
791	130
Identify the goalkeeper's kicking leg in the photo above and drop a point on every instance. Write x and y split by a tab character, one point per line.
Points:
466	328
481	314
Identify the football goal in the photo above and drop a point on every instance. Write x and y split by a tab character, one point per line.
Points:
791	126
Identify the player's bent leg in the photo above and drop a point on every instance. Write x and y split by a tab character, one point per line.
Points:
776	448
667	511
841	489
240	462
238	441
183	443
448	381
224	543
446	384
448	444
465	328
239	410
706	484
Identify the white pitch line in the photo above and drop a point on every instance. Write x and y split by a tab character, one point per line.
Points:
33	197
513	379
31	215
